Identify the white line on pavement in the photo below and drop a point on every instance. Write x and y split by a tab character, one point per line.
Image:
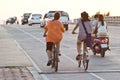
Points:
62	54
31	35
97	76
115	47
34	64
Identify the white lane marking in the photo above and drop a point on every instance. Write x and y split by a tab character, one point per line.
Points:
115	47
88	71
34	64
31	35
97	76
62	54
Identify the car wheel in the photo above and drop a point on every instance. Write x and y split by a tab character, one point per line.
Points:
22	23
30	24
6	22
17	22
42	26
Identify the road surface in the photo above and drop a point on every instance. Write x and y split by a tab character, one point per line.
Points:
31	41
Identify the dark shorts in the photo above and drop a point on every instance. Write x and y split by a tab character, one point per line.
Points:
49	46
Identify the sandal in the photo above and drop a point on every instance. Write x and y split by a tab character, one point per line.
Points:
49	62
78	57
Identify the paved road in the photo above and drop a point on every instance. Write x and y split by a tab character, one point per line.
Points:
31	41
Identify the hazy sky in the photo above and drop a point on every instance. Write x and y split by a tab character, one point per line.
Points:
73	7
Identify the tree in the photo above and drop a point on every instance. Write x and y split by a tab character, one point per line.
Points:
107	14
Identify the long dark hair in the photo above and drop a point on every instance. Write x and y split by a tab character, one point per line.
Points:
56	15
101	19
85	16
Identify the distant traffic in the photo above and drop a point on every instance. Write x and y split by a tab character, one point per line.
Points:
37	18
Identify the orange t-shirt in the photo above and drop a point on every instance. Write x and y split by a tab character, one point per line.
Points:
55	31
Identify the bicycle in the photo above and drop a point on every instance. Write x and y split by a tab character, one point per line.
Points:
84	60
55	55
55	58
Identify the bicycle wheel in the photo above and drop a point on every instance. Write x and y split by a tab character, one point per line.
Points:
56	61
53	56
53	60
79	63
102	53
85	57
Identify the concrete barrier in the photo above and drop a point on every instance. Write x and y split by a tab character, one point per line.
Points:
111	20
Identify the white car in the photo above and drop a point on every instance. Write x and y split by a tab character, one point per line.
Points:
35	19
64	18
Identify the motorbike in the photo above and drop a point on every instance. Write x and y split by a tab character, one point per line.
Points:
100	45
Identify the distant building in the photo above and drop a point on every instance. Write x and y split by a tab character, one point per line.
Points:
1	21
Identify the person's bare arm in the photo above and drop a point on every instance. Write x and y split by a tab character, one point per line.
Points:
96	28
62	28
45	33
73	32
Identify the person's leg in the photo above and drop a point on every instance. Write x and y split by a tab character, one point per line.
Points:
58	47
49	52
79	47
78	50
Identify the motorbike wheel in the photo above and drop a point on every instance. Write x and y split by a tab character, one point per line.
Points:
30	24
102	53
22	23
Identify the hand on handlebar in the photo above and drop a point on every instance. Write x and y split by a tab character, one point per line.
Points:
44	35
74	33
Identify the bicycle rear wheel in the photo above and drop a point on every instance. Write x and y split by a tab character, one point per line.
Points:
85	57
79	63
53	57
56	62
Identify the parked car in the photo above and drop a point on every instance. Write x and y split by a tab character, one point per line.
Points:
35	19
11	20
25	18
64	18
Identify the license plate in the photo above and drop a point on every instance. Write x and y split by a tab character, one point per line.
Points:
104	45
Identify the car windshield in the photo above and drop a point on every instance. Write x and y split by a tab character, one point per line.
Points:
64	13
26	14
50	15
36	15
